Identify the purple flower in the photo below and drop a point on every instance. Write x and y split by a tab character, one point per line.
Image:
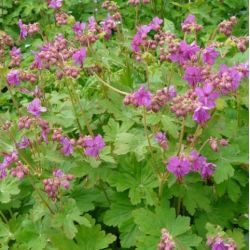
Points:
209	55
78	28
219	244
172	91
136	42
67	146
178	166
93	146
23	143
92	24
207	170
142	97
23	29
230	79
244	69
155	23
15	52
162	140
58	172
193	75
197	161
201	115
35	107
185	52
44	135
190	19
55	4
79	56
13	78
206	95
3	173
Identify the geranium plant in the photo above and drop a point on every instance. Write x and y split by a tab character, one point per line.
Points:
120	138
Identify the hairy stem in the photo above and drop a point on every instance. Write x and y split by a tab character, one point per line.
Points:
111	87
181	136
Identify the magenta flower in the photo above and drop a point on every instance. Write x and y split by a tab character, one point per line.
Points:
55	4
23	29
92	24
15	52
201	115
186	52
193	75
162	140
209	55
35	107
155	23
13	78
67	146
197	161
79	56
178	166
78	28
206	95
172	91
58	172
23	143
190	19
93	146
207	170
142	97
136	43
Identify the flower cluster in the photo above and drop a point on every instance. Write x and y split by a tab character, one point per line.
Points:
27	29
52	185
140	38
16	56
25	122
61	18
226	26
162	97
182	165
214	143
241	42
19	171
14	77
140	98
92	145
166	242
190	25
219	243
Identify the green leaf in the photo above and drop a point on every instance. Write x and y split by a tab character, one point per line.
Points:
8	188
224	170
197	196
137	177
169	126
168	26
67	217
150	224
93	238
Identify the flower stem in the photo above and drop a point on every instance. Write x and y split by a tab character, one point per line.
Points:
149	142
203	145
3	216
109	86
74	108
14	100
181	135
